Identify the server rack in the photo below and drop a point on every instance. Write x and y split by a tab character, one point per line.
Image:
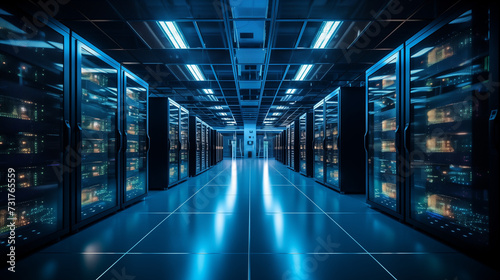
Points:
184	144
293	145
339	118
384	116
319	141
35	135
285	146
221	147
198	139
169	143
209	147
451	107
67	126
135	138
96	134
306	144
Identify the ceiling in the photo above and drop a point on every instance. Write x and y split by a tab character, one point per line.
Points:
248	51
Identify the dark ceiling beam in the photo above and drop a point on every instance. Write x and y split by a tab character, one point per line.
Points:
302	29
226	49
278	20
200	37
270	43
225	4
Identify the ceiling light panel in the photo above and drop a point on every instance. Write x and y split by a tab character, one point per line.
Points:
325	35
173	33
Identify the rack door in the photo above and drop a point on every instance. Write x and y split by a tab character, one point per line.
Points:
184	148
302	144
97	131
448	112
34	132
136	137
203	147
383	87
198	146
331	140
292	146
319	137
173	134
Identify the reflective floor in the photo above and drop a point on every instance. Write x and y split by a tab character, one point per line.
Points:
249	219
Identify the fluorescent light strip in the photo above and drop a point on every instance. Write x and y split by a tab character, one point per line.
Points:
291	91
195	71
302	72
208	91
326	33
173	33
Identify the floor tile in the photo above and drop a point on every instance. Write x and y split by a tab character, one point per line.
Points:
310	266
188	233
437	266
55	266
298	234
181	267
380	233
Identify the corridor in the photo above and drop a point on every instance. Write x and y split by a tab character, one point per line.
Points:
250	219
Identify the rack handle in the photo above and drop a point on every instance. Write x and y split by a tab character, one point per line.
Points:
120	141
79	138
407	137
67	135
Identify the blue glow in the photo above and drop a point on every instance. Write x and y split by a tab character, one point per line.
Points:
302	72
173	33
325	35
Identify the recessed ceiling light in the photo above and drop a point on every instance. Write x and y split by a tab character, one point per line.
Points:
173	33
328	29
302	72
196	72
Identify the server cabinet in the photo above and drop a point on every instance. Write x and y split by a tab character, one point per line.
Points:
168	148
293	145
203	147
289	150
319	141
342	123
384	111
209	147
198	154
451	131
135	138
173	141
306	144
159	149
96	134
184	144
35	133
285	146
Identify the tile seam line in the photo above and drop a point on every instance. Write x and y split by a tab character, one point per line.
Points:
345	231
245	253
249	218
155	227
